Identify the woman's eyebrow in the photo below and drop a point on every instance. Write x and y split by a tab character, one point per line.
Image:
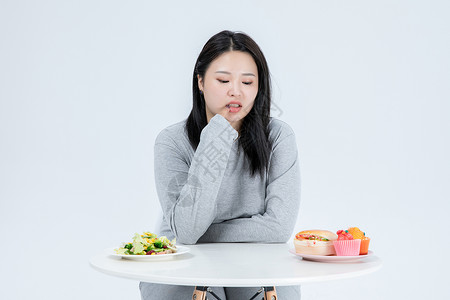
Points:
245	74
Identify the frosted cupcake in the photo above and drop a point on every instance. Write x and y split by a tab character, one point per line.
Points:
346	245
358	234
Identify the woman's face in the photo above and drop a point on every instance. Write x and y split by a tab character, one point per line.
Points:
230	86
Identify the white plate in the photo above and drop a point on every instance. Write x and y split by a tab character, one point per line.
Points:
331	258
180	250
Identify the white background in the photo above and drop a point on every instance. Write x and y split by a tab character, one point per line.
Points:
85	87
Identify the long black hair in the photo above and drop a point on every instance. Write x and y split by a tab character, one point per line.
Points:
254	131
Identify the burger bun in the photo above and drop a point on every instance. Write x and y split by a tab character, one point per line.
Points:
315	247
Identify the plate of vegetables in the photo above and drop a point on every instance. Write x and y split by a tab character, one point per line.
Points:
148	246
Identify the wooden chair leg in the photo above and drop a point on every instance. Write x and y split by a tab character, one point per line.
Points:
270	293
199	293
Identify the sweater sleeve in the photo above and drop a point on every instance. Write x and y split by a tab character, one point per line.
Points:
281	203
187	194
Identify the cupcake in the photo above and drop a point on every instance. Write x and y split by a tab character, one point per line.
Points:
346	245
358	234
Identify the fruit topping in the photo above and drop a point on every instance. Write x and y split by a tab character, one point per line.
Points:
343	235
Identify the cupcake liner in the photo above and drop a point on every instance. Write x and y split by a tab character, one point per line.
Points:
364	249
347	247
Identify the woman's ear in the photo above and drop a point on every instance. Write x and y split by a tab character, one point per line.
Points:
200	82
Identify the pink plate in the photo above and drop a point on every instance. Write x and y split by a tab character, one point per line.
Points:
331	258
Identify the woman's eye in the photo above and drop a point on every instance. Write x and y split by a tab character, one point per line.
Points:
226	81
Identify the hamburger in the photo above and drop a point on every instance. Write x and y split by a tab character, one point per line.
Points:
315	242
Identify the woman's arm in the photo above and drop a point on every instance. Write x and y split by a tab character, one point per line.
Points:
187	193
282	203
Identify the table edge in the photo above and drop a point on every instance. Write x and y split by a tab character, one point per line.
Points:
239	282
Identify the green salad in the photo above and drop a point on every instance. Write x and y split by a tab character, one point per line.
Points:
148	244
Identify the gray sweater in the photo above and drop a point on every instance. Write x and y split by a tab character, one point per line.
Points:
208	195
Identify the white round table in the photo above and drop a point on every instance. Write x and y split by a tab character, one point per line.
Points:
234	265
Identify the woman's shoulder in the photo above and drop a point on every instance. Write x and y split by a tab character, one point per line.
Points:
172	133
279	129
172	142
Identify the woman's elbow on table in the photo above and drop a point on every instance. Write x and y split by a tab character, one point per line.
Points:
186	239
275	233
281	237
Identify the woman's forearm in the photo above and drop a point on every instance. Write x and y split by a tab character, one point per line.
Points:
187	193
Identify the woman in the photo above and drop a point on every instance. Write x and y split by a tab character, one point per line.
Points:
230	172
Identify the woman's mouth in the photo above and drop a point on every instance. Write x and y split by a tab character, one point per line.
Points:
233	108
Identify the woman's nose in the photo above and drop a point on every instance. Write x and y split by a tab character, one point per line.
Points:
235	90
